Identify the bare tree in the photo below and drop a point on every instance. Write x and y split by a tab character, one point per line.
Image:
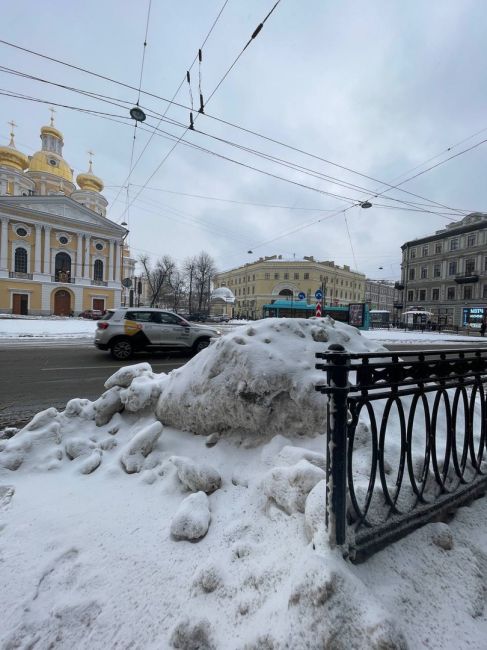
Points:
205	269
178	288
189	270
157	277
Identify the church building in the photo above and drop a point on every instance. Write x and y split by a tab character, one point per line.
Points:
59	253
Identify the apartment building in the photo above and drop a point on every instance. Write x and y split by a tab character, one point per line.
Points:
446	273
268	279
380	294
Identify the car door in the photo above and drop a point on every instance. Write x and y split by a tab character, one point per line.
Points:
172	331
141	321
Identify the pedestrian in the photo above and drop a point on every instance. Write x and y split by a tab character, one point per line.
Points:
483	327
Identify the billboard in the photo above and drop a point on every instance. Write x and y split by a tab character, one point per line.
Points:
356	314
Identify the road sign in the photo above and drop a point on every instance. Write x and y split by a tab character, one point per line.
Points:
318	310
301	295
318	294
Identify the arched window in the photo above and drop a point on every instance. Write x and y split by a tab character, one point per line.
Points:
20	260
286	293
62	265
98	270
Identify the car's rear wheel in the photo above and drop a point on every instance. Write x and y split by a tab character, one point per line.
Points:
121	349
200	344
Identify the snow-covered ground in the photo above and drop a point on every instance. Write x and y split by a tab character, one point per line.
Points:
416	336
45	328
186	511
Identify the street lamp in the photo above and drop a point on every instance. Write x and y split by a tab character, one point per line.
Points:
365	204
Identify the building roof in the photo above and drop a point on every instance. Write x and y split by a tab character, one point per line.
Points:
473	221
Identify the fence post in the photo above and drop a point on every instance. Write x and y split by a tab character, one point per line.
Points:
336	464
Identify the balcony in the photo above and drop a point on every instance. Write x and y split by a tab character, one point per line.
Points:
467	277
19	275
63	277
99	283
398	286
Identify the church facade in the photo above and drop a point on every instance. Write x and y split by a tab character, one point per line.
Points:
59	253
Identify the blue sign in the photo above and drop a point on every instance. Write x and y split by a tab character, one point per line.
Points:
318	294
301	295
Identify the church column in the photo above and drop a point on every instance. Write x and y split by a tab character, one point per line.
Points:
110	261
4	245
117	261
37	251
47	250
79	257
86	273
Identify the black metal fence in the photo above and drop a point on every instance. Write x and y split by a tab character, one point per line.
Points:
406	441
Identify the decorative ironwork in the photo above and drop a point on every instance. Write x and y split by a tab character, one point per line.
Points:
20	275
63	277
99	283
424	461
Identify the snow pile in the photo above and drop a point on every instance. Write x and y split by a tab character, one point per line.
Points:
258	380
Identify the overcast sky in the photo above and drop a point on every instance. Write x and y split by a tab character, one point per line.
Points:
378	87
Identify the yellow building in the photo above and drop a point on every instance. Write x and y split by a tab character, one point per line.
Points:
268	279
59	254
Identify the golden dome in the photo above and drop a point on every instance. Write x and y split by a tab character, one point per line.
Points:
89	181
11	157
50	163
51	130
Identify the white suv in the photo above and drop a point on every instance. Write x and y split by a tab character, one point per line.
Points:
126	330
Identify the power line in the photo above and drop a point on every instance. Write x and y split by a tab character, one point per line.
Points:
221	120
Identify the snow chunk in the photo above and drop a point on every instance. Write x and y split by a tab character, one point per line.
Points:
188	635
142	392
289	486
290	455
140	447
257	381
124	376
91	463
442	536
77	447
315	512
192	518
196	476
107	405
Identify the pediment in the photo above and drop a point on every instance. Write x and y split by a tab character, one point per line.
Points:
65	208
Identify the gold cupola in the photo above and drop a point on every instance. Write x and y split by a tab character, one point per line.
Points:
11	157
49	159
88	181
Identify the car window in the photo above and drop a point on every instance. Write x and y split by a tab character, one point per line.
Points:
107	315
167	319
139	316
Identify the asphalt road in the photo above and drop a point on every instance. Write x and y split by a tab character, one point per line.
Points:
35	375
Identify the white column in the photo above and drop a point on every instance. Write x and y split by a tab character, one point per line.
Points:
4	245
47	250
37	252
79	258
110	261
86	273
117	262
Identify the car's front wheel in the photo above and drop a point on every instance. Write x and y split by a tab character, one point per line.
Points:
200	344
121	349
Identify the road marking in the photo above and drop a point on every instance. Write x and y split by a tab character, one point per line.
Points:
162	363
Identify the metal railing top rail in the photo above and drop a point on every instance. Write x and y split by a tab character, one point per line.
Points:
413	353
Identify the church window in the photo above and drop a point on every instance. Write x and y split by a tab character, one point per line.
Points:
98	270
21	232
63	240
21	260
99	246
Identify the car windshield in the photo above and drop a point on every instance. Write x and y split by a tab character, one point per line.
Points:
107	315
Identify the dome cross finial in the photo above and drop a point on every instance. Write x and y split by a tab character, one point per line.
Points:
53	110
12	127
90	161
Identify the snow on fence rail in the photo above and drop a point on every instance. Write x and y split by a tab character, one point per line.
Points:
422	417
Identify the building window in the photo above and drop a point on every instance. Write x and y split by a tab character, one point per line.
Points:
485	291
296	275
63	240
471	240
422	295
425	251
410	296
411	274
306	276
435	294
99	246
98	270
452	268
253	289
454	244
438	248
413	253
286	276
253	277
469	267
450	293
424	272
267	276
437	270
21	232
467	293
485	263
20	260
276	276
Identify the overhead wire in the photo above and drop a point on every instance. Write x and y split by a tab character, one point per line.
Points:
221	120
